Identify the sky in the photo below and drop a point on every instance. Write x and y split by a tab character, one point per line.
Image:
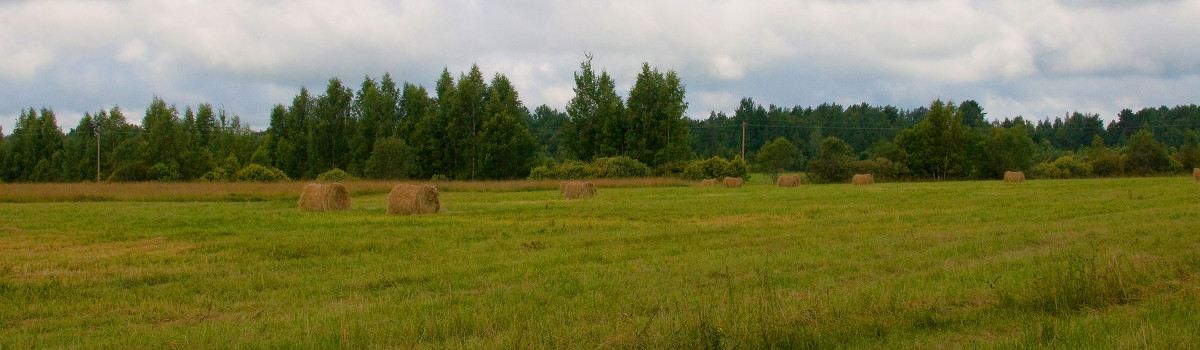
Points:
1038	58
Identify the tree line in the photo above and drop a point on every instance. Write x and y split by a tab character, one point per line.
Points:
469	127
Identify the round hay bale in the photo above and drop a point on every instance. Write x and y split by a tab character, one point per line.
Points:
734	182
1014	176
413	199
579	189
1196	174
708	182
788	181
863	180
322	197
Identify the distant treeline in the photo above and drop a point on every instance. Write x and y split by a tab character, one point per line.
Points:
471	128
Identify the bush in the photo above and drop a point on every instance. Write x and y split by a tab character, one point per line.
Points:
673	169
609	168
335	174
163	172
218	174
1065	167
1110	164
259	173
738	168
716	168
882	169
618	167
129	172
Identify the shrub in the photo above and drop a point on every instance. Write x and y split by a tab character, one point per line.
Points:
163	172
712	168
738	168
129	172
882	168
1064	167
608	167
716	168
335	174
1110	164
259	173
218	174
618	167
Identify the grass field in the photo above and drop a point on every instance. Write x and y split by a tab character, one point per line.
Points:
1100	263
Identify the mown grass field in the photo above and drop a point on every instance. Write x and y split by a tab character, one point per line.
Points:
1100	263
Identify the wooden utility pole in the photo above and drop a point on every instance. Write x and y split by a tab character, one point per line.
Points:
743	140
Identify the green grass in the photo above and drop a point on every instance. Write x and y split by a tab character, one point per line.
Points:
1108	263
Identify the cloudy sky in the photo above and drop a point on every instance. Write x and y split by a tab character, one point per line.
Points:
1038	58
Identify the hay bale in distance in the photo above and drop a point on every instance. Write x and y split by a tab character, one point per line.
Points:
1014	176
1196	174
734	182
788	181
578	189
322	197
413	199
708	182
863	180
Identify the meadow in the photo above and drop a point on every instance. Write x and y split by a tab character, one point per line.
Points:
1094	263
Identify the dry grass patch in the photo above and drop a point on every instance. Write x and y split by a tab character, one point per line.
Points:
38	260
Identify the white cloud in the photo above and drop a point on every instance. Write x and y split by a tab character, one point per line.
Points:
24	64
724	67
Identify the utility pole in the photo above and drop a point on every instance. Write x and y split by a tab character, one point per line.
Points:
743	140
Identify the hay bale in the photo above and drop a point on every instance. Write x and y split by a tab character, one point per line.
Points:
1196	174
788	181
1014	176
734	182
579	189
863	180
413	199
562	186
708	182
322	197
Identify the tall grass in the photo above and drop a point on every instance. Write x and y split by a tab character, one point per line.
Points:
259	191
